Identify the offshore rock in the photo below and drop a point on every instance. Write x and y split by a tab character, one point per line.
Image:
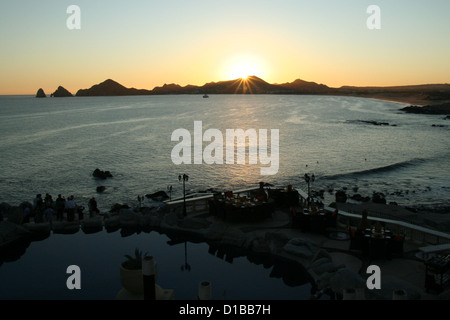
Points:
443	108
101	174
61	93
378	197
341	196
41	94
158	196
360	198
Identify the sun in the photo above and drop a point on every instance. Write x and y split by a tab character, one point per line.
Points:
242	66
243	70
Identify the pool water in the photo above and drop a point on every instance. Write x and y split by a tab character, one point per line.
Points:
41	271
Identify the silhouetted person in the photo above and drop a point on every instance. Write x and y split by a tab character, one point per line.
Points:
70	208
38	206
48	201
92	204
59	206
80	212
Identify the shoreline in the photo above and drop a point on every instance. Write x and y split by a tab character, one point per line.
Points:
408	100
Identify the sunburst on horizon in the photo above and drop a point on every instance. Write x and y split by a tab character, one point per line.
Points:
243	70
242	66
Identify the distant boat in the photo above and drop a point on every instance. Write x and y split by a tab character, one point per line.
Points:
205	96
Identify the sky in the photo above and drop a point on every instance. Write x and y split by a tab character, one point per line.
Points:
146	43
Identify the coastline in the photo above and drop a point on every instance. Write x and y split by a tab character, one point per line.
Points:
408	100
413	100
402	101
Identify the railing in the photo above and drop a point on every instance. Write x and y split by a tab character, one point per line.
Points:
411	232
408	229
198	202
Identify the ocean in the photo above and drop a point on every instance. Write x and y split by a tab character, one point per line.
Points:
53	145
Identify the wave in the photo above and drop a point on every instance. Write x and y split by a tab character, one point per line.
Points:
384	169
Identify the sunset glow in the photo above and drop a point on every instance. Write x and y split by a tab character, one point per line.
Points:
144	45
241	66
243	70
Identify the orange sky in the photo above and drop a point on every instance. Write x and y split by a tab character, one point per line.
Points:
148	43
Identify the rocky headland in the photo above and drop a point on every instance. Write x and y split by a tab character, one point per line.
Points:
110	88
443	108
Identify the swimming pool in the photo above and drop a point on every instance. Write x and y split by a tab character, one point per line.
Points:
40	272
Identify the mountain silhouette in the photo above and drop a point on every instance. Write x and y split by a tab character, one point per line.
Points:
423	94
111	88
61	92
250	85
305	86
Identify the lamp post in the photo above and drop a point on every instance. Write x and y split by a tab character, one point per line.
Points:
169	188
308	180
184	178
186	266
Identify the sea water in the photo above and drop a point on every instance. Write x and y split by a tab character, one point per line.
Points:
53	145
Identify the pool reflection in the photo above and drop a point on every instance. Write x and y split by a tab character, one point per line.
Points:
38	265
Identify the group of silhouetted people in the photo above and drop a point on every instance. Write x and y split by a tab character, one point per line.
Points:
45	209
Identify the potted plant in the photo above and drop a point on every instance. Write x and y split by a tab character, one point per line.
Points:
131	272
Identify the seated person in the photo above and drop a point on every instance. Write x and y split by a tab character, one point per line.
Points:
229	194
378	227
